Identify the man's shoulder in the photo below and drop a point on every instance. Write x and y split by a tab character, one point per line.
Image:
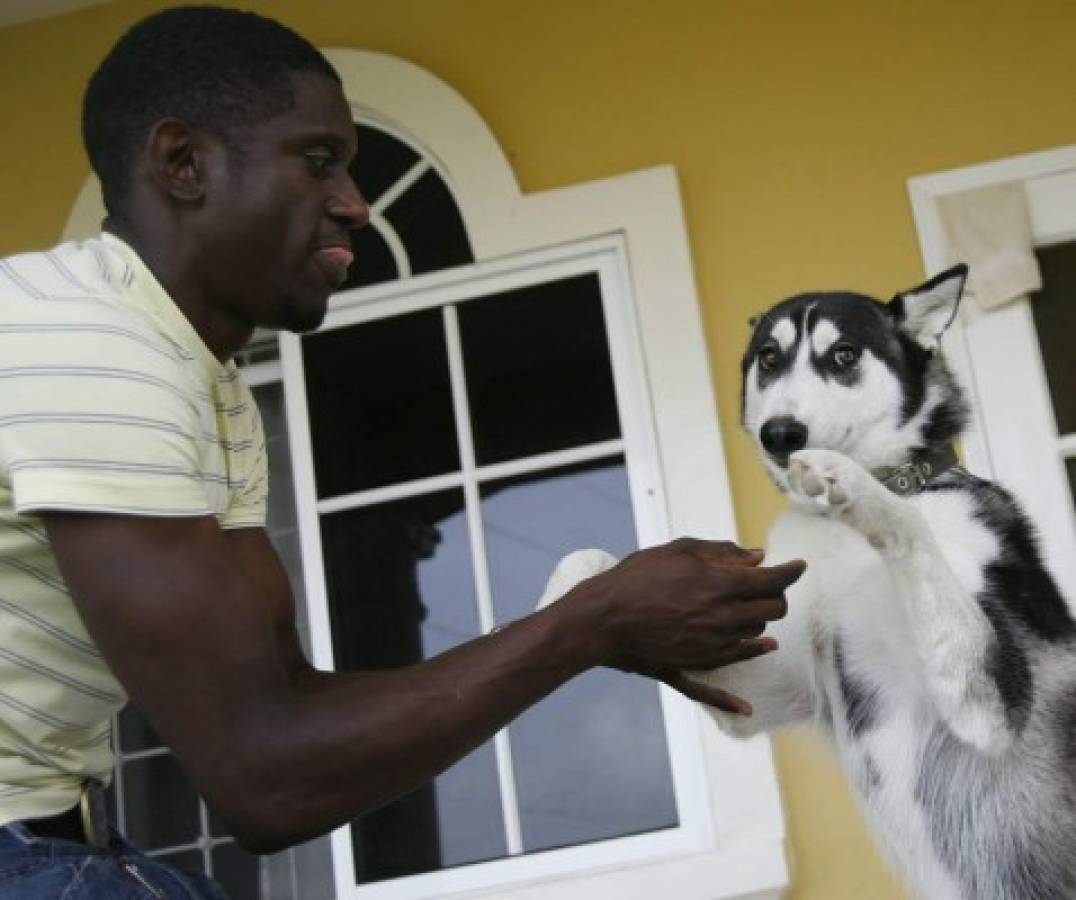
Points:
72	300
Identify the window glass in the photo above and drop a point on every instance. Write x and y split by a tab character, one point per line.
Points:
374	262
380	403
156	783
538	372
575	782
429	223
1054	309
135	733
381	160
401	589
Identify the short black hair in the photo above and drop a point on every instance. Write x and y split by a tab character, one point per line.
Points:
217	69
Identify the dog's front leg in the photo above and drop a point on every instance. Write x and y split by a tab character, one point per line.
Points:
950	632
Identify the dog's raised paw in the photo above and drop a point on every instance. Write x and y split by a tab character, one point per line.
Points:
824	479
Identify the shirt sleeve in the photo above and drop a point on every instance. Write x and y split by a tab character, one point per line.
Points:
96	416
248	499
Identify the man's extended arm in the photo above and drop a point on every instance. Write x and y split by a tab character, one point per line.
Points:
198	625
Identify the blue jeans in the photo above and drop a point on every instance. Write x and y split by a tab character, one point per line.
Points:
37	868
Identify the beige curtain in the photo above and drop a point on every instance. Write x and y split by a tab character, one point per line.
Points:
990	230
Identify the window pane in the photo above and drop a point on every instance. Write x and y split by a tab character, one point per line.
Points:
381	161
574	780
401	589
538	372
380	403
150	787
1054	309
374	262
429	223
135	733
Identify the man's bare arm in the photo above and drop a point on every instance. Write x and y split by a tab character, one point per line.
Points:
198	625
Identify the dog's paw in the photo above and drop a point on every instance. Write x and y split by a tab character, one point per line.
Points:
825	480
833	484
572	569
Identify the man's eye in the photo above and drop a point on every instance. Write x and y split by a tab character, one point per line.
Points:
845	356
321	162
768	358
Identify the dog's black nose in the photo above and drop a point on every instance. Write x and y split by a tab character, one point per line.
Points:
783	435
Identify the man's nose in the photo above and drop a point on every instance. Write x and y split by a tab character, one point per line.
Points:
348	204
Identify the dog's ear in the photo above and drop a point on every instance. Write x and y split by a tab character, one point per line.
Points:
924	312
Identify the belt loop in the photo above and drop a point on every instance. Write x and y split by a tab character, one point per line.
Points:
94	814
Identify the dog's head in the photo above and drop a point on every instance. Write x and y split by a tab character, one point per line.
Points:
850	373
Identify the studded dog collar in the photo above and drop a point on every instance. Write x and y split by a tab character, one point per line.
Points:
913	476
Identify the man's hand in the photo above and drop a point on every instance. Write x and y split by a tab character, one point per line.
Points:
689	604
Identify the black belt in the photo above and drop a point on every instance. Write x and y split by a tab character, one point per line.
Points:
86	822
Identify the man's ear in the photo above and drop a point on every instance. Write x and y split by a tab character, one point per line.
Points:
174	159
924	312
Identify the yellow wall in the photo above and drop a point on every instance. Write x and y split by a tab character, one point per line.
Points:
793	125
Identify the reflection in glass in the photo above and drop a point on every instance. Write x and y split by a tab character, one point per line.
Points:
380	403
538	372
591	760
401	589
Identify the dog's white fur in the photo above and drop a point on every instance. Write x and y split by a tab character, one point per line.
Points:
950	707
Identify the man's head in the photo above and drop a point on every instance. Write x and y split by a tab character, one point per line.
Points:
216	69
222	140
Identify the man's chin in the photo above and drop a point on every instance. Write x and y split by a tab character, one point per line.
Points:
300	319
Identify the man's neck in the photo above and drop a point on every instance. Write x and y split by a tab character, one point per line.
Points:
174	266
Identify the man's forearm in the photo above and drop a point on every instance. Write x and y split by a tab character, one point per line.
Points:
342	743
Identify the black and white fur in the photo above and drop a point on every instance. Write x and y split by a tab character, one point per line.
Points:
927	635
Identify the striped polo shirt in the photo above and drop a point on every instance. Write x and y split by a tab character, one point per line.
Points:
109	402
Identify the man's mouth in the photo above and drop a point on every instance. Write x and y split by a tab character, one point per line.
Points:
333	260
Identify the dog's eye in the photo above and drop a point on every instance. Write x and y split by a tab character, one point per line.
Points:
845	356
768	358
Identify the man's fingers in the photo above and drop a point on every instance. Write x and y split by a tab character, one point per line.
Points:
753	612
711	696
750	649
763	581
727	553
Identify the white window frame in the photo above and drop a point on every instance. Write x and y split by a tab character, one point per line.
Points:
1014	437
605	257
745	855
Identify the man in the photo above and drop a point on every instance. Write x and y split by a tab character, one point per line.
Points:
133	487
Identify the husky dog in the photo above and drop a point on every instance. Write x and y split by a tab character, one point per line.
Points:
927	636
